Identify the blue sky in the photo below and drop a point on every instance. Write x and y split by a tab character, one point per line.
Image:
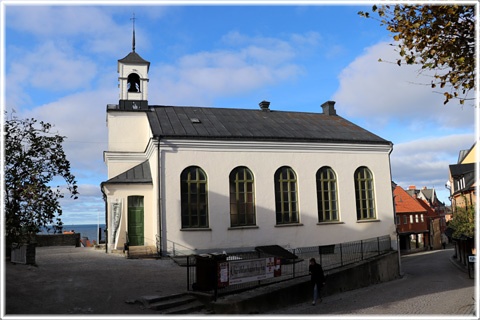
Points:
60	67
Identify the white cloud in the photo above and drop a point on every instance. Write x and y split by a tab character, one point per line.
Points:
425	162
50	68
93	27
81	118
86	208
255	62
388	92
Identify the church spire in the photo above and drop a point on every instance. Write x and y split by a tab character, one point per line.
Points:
133	40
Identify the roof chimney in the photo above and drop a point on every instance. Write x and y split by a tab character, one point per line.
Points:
264	105
329	108
411	188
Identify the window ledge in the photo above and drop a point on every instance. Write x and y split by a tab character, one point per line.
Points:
243	227
288	225
330	222
195	229
368	220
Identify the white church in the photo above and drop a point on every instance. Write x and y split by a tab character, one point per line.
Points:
202	179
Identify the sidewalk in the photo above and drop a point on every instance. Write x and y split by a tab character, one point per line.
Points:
69	280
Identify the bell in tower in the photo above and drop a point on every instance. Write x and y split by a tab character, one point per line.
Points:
133	79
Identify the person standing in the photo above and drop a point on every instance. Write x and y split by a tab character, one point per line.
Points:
317	279
444	240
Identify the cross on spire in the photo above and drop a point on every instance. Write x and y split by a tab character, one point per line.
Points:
133	41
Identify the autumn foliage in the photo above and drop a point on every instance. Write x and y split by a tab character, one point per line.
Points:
436	37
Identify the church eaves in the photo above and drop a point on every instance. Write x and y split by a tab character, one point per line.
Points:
250	124
138	174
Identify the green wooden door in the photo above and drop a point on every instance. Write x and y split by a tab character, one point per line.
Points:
135	221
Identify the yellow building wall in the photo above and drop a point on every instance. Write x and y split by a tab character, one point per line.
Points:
471	156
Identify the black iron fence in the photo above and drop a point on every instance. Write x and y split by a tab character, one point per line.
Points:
203	270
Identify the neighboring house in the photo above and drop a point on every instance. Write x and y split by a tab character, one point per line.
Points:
411	220
462	184
462	181
204	179
430	198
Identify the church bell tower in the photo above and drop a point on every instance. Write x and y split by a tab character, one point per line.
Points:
133	80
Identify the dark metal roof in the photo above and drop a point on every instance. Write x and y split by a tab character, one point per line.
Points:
461	169
249	124
465	172
276	251
138	174
134	57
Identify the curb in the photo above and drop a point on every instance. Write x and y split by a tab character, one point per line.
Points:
458	265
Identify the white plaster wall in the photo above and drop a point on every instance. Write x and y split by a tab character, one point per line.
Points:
123	191
218	164
128	131
124	70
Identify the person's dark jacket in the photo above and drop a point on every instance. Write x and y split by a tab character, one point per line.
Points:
317	274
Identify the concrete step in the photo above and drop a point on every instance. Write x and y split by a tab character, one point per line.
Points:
173	304
141	252
186	308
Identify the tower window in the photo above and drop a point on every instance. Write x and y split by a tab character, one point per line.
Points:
133	82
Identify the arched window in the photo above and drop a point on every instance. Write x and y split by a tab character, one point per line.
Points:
327	195
242	197
286	202
194	199
133	82
364	194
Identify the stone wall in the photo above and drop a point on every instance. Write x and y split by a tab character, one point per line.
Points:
61	239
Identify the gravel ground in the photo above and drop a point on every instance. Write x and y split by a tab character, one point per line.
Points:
69	280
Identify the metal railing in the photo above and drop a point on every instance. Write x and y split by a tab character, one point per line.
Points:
330	257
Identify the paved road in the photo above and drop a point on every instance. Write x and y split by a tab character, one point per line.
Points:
432	285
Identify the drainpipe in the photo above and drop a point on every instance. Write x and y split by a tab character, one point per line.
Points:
395	217
106	217
159	177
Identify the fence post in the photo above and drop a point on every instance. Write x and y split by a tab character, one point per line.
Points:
188	273
378	245
341	255
321	260
215	284
293	263
361	247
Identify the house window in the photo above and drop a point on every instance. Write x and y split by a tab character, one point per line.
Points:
405	221
421	218
398	220
416	218
242	197
194	200
327	195
411	219
364	194
286	203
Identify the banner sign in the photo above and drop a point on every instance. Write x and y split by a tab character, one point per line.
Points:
116	215
241	271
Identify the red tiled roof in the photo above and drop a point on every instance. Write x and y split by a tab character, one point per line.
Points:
425	205
405	203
